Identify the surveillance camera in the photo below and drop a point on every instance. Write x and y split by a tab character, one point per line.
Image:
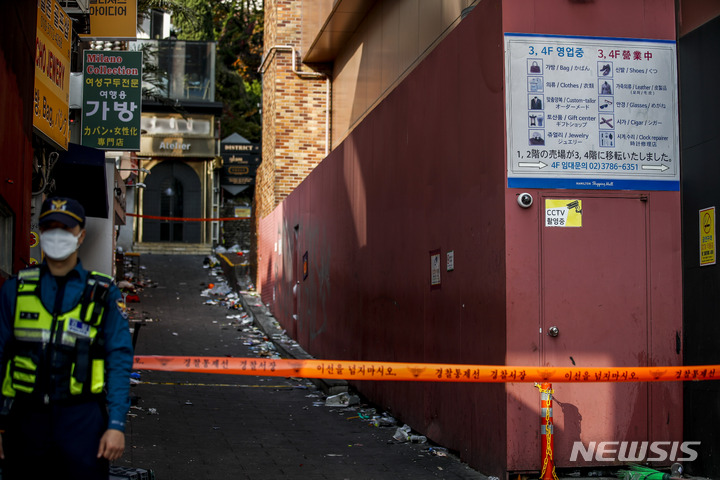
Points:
525	200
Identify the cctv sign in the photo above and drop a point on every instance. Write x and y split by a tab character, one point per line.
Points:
563	213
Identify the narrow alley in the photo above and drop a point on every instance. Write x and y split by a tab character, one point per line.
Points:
197	426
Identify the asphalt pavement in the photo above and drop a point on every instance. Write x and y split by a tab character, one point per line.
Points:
186	426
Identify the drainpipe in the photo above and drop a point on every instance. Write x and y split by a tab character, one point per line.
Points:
302	74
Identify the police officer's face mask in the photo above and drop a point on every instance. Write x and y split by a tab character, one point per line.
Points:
58	244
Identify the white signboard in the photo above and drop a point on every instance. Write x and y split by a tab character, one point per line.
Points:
591	113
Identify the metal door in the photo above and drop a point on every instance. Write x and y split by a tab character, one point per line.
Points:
173	191
594	291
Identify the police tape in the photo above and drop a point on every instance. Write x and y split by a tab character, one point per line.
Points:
185	219
231	385
421	372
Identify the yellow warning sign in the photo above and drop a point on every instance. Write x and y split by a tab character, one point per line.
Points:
563	213
707	236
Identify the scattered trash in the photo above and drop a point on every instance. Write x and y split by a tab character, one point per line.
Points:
402	433
439	451
152	411
210	262
383	421
343	399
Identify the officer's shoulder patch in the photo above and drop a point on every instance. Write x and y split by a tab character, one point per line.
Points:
122	308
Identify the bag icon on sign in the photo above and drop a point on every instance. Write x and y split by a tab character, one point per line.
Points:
534	67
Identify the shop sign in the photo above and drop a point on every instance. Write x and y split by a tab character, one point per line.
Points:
240	163
243	212
52	72
177	146
112	20
112	100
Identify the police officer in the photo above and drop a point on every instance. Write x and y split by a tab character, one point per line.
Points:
66	358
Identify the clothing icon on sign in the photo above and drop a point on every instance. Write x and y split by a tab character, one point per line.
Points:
535	84
536	102
605	88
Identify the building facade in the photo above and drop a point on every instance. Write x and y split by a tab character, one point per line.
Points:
462	214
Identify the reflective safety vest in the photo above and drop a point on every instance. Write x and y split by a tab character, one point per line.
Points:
60	356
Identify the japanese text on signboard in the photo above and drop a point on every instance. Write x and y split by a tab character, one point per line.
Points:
591	113
112	99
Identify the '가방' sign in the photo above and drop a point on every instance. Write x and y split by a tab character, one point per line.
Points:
112	99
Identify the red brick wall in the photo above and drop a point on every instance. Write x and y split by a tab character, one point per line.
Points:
294	110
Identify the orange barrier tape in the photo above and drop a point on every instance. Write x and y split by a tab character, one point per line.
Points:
183	219
421	372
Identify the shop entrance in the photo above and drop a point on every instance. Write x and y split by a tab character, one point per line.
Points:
172	192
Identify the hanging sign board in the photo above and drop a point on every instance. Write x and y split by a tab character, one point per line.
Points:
240	163
52	73
112	99
591	113
112	20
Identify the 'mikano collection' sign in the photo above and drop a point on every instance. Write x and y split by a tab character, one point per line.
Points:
112	99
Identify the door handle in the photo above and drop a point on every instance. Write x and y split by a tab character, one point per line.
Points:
553	331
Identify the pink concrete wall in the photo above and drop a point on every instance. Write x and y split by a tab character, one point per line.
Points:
424	171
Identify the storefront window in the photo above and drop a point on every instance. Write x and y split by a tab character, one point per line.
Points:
180	70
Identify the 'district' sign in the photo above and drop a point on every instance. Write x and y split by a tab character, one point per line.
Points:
112	99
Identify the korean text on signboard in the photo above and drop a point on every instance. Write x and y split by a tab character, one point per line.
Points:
112	99
591	113
707	236
113	19
52	72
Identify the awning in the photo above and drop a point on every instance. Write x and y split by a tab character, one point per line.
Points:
80	174
234	189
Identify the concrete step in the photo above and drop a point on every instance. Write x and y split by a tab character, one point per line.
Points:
173	248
